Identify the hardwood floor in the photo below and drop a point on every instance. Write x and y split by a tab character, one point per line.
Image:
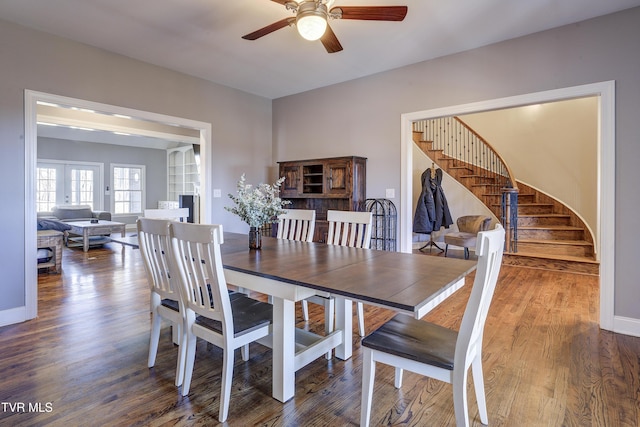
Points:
83	361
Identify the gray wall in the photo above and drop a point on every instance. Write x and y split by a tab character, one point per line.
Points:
362	117
154	160
241	123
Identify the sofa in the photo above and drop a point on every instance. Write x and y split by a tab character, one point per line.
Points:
78	213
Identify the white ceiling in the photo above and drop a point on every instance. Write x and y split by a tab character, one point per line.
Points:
203	37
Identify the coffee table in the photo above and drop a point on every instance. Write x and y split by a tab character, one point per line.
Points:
87	229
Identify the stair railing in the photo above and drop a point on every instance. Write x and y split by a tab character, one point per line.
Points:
466	148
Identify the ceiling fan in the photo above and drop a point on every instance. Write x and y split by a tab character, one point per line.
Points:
311	18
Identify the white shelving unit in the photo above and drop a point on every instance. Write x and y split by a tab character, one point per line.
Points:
182	173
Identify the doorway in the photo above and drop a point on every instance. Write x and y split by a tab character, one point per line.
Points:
32	100
605	91
68	183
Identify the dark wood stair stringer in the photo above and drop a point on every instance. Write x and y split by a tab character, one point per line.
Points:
550	235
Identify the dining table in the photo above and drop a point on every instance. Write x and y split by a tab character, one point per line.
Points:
290	271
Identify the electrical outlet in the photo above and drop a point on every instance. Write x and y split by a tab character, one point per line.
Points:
217	192
390	193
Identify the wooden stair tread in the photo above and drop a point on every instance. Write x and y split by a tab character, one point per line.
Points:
548	215
556	242
548	228
530	205
555	257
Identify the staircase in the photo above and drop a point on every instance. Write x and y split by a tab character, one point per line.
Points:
541	231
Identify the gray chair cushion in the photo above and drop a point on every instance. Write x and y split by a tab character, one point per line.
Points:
415	339
458	238
248	314
468	228
172	304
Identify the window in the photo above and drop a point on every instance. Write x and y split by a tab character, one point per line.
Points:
128	188
82	187
45	189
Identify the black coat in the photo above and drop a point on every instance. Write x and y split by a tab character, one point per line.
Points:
432	210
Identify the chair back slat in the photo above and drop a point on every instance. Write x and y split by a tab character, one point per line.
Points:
155	247
347	228
297	224
489	247
203	287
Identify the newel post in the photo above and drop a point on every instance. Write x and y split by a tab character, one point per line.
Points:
509	218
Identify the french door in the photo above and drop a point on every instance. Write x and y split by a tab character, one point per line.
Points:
70	183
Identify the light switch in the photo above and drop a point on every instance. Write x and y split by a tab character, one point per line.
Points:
217	192
390	193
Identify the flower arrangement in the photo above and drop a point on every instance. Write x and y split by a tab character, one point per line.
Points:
259	205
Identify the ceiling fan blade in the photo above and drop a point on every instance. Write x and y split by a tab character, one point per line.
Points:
282	2
330	41
373	13
269	29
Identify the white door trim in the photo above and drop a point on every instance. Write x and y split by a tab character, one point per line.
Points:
31	98
606	171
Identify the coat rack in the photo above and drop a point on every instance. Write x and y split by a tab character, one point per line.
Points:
430	244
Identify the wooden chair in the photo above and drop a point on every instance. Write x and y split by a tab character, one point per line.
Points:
210	313
431	350
468	228
299	225
155	247
350	229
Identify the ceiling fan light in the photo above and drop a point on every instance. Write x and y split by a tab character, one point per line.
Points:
311	26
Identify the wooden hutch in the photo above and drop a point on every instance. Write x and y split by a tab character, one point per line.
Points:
337	183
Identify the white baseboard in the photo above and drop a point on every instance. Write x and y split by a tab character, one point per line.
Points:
13	315
626	326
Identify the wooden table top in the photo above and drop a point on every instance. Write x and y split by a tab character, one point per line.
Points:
392	279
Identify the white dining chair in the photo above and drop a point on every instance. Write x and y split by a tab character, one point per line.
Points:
347	228
437	352
299	225
155	247
210	313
